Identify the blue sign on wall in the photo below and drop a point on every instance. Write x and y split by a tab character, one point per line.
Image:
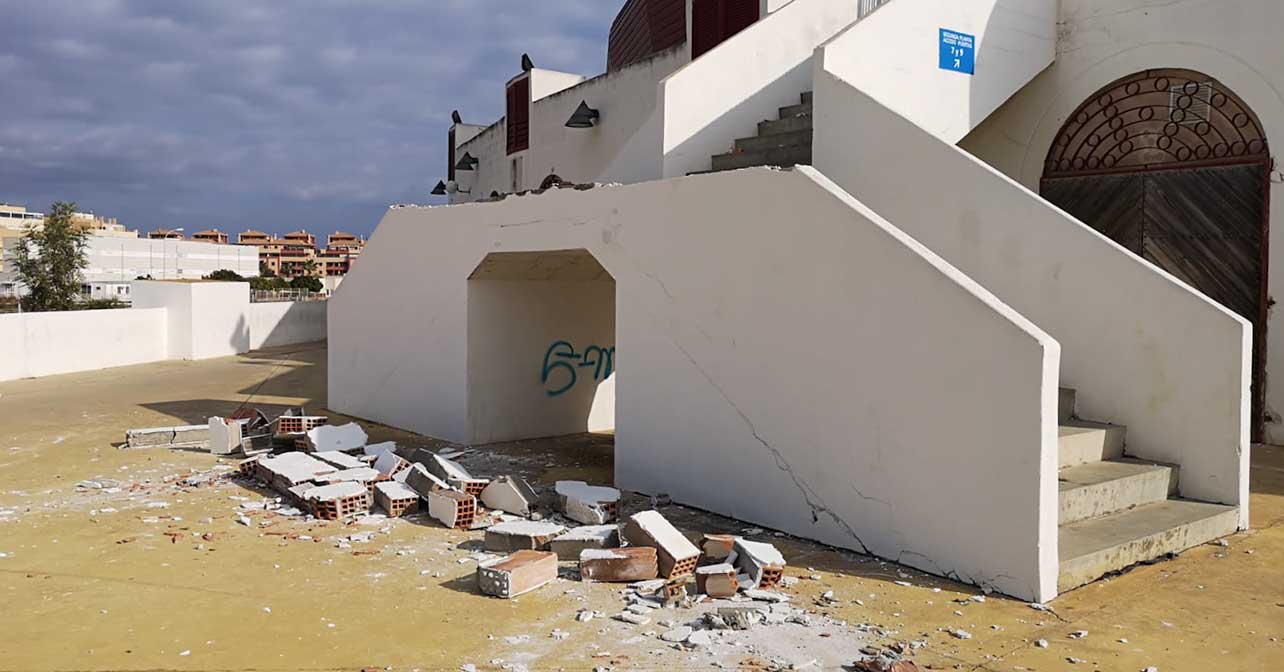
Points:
958	52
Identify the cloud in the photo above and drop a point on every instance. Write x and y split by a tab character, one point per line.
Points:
290	114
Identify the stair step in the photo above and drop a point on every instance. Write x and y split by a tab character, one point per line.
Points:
1065	405
795	110
806	97
769	141
1091	549
1080	442
1102	488
777	156
786	125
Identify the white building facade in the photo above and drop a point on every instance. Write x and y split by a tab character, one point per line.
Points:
115	262
1028	268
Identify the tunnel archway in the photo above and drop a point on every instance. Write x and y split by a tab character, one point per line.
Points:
541	346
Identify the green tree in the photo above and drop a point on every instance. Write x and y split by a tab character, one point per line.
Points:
265	271
225	275
50	261
310	268
306	282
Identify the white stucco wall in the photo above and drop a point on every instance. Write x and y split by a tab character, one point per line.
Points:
205	319
43	344
286	323
780	345
1142	349
622	147
490	148
894	55
1102	41
501	359
723	95
545	83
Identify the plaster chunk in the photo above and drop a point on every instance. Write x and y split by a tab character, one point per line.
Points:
522	535
339	460
569	546
510	495
588	504
344	438
379	449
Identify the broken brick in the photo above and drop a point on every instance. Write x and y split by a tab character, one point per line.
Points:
717	580
588	504
519	573
761	561
677	555
619	565
717	547
395	498
454	509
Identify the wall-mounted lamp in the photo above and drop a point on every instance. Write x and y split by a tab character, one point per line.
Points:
454	116
527	63
584	116
439	190
467	162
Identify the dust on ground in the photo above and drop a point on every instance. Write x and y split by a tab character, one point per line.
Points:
135	560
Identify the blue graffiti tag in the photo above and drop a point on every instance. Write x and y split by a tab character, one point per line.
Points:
562	355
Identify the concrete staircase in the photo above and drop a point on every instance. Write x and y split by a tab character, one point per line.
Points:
1116	511
783	142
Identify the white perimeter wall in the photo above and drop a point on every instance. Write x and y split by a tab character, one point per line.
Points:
172	322
1142	349
277	324
556	320
1103	41
43	344
780	346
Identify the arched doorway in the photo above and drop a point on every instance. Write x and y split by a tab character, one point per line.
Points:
1175	167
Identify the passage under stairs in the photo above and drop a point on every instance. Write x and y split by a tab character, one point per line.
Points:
1116	511
785	141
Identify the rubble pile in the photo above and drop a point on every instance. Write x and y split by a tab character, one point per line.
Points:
699	593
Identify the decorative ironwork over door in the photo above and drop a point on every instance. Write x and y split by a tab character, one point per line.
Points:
1173	166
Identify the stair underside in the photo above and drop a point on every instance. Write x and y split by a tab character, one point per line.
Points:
1091	549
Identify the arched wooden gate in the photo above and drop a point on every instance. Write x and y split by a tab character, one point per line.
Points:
1174	166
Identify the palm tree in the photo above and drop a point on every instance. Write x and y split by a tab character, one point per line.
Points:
310	268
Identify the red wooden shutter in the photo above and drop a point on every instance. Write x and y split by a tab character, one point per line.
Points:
450	156
706	26
519	115
714	21
737	15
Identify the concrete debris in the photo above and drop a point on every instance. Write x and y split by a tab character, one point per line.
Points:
290	469
1078	634
187	436
630	617
378	449
677	635
1041	643
523	535
961	634
677	556
587	504
390	464
362	475
569	546
717	580
339	460
418	478
510	495
761	561
517	574
619	565
339	501
344	438
225	436
443	468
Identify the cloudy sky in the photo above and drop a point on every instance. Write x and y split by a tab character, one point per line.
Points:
271	114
